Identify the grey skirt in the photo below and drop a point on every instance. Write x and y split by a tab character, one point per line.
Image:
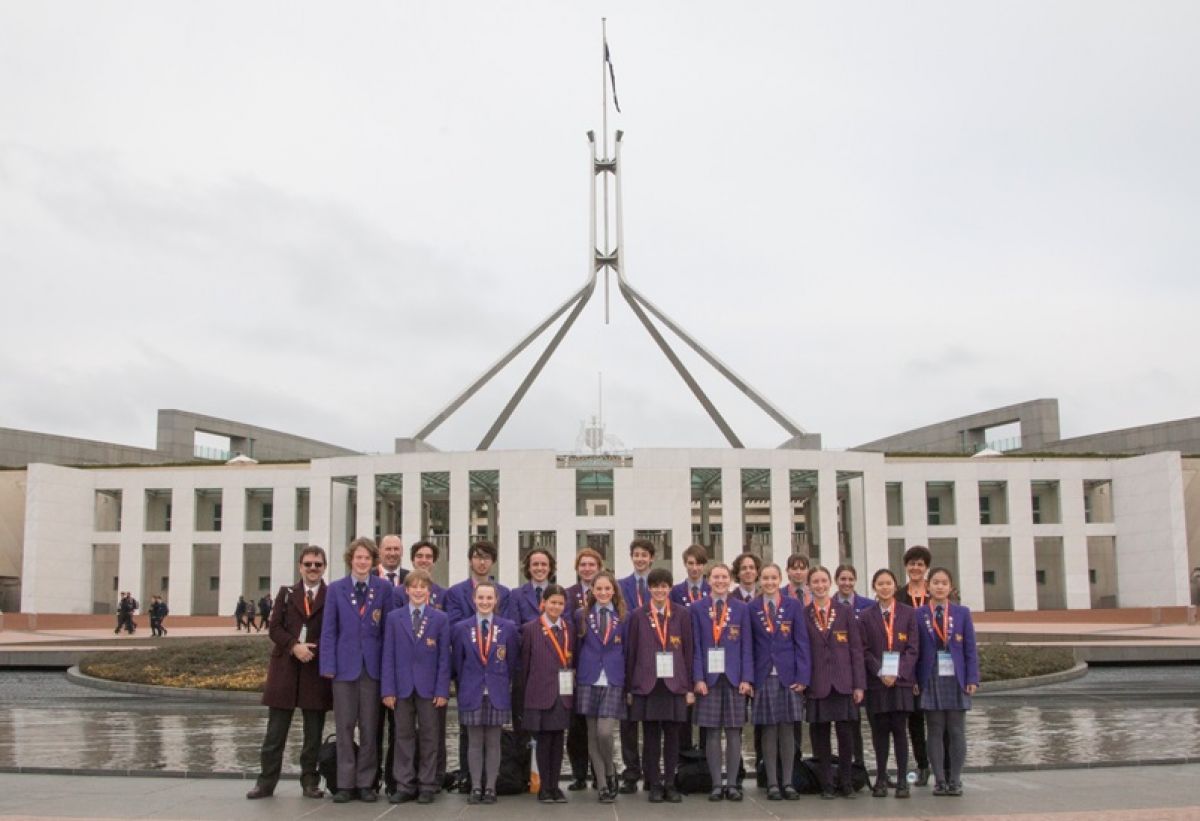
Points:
724	706
599	702
485	716
776	704
944	693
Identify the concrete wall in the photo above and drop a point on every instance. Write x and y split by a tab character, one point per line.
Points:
1182	435
19	448
1152	558
177	438
1038	420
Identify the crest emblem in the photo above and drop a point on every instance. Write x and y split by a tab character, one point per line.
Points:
785	628
377	615
902	636
959	637
501	652
676	641
430	642
734	632
841	637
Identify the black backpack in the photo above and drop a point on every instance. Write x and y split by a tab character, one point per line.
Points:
327	762
692	776
513	776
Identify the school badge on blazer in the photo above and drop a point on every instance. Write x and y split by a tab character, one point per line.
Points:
676	641
734	632
840	636
429	642
377	615
785	628
959	637
501	652
902	636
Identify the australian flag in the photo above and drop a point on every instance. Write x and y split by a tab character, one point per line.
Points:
612	76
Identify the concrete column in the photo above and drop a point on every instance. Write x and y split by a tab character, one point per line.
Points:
970	542
364	524
284	539
731	513
781	518
916	520
1024	560
460	521
233	568
1075	549
320	525
875	530
856	523
827	518
410	509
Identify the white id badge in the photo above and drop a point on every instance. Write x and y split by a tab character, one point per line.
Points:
945	663
664	665
303	639
716	660
566	682
890	666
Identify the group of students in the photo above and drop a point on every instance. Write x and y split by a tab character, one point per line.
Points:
724	646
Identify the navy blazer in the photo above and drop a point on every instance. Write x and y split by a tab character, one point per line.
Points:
905	641
860	603
591	654
837	653
460	601
785	646
803	595
642	645
629	592
416	664
962	646
352	641
523	603
735	591
540	665
471	673
736	639
681	593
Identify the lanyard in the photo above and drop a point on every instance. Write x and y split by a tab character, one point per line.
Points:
919	601
697	596
823	616
484	643
608	629
562	650
307	606
718	627
666	624
942	631
889	625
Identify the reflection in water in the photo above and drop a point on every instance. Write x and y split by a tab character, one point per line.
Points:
227	739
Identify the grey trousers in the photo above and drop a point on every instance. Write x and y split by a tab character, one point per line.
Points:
356	705
417	724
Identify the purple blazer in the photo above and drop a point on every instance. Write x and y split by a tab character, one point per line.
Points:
962	646
905	641
460	601
523	604
641	645
576	600
471	673
736	592
629	592
802	596
736	639
785	647
860	603
416	664
400	572
679	593
350	641
592	655
437	597
540	665
837	653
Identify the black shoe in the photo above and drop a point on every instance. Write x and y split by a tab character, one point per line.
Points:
628	787
607	796
827	794
545	797
922	777
672	795
425	798
774	794
464	784
401	797
848	792
717	795
954	789
577	784
368	795
880	789
902	791
259	792
656	794
476	797
342	797
560	797
489	796
790	793
733	793
313	791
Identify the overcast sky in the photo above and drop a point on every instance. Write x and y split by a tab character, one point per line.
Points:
329	218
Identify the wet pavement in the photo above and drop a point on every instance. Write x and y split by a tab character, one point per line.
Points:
1111	715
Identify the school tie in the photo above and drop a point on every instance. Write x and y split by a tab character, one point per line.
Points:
642	595
603	620
539	594
312	598
557	633
485	628
416	620
695	592
360	590
771	609
720	608
937	614
392	578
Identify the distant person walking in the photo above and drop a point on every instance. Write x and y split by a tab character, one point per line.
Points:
264	611
239	613
158	612
125	610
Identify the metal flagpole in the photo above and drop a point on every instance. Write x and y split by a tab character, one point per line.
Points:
604	148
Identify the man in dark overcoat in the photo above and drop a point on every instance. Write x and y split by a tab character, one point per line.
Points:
294	679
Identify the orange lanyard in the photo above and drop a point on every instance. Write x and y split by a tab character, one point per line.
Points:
824	616
889	626
942	631
918	601
767	615
697	596
562	650
608	630
307	606
718	627
666	624
484	643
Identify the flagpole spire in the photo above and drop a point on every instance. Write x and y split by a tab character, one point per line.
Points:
604	148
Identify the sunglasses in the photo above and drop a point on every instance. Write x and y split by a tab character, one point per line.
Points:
313	565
